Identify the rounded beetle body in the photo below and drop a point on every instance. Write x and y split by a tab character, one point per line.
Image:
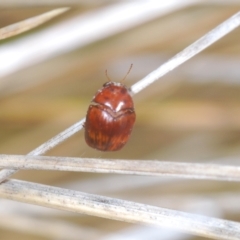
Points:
110	118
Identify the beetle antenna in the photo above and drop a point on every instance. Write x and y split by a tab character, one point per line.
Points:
127	72
106	73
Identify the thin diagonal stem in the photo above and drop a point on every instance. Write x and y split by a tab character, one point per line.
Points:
189	52
30	23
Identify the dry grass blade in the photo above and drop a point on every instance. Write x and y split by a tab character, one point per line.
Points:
23	26
117	209
189	52
135	167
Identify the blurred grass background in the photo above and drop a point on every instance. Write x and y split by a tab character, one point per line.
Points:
191	114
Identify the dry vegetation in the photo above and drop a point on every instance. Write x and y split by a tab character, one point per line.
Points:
190	115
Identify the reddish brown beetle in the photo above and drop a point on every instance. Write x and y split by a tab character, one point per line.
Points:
110	117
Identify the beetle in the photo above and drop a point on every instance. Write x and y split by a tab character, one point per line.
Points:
110	117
